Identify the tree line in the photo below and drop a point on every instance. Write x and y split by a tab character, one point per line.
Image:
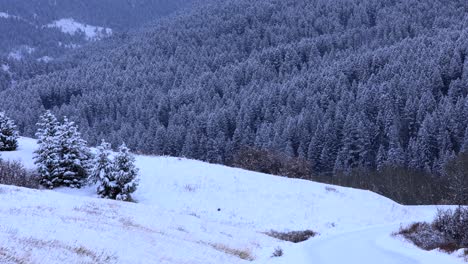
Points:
64	159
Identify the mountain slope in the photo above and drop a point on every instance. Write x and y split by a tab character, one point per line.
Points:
35	33
341	84
176	219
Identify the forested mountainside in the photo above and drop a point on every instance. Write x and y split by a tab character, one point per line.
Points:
341	83
35	33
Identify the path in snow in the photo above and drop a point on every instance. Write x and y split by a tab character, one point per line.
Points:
370	246
177	212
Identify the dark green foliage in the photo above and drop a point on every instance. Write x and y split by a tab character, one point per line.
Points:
8	134
345	85
46	156
62	159
119	181
29	47
74	157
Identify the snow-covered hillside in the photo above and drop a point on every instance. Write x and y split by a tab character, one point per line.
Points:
70	26
5	15
193	212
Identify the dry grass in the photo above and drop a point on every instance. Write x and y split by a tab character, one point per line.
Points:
449	247
331	189
190	188
411	229
129	223
293	236
89	209
182	229
194	215
8	256
21	253
245	254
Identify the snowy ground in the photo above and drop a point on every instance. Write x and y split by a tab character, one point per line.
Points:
70	26
176	220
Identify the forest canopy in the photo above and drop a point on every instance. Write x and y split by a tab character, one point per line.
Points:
342	84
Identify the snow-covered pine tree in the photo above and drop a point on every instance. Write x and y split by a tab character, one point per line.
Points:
125	174
8	134
46	157
75	158
102	164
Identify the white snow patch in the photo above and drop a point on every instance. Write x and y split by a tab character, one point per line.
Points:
16	55
6	15
72	27
45	59
69	46
20	52
5	68
177	219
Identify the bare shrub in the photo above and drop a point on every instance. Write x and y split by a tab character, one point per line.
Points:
424	236
403	185
448	232
293	236
14	173
449	247
454	224
190	188
456	175
277	253
271	162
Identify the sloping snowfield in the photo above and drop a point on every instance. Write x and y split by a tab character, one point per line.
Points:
193	212
70	26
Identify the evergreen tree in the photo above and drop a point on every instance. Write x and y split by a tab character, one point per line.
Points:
273	84
8	134
74	156
47	155
464	147
102	164
122	181
125	174
381	158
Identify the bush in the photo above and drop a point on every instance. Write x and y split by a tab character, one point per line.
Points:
454	224
456	175
14	173
424	236
293	236
403	185
277	253
448	232
267	161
